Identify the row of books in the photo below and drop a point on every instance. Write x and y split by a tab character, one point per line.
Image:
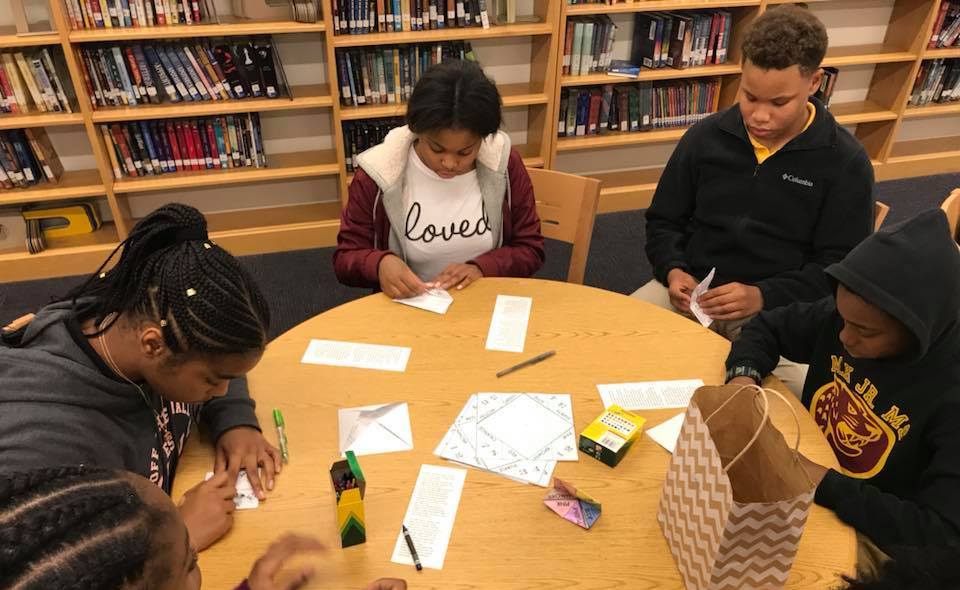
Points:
358	136
388	74
827	83
946	29
358	17
937	81
27	158
30	81
107	14
637	107
588	45
194	70
681	40
148	148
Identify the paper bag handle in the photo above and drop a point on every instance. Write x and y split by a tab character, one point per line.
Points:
766	414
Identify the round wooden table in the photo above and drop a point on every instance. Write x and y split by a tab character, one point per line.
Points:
504	537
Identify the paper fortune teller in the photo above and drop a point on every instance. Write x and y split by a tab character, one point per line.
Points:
571	504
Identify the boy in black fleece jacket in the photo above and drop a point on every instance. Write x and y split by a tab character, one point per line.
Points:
769	192
884	381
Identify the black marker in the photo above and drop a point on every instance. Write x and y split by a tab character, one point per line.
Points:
413	551
540	357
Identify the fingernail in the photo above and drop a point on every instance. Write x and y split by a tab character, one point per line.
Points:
261	495
270	485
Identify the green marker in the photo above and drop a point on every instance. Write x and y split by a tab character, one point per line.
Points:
278	421
354	465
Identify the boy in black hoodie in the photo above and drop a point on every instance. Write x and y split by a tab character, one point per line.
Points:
769	192
883	384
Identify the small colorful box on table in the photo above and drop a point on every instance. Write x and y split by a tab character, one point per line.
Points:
609	437
349	485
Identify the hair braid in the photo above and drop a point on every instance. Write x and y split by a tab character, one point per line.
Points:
169	272
73	527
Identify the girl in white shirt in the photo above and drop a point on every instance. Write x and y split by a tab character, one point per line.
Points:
444	200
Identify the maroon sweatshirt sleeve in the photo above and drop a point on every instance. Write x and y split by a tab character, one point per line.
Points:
522	252
355	260
243	586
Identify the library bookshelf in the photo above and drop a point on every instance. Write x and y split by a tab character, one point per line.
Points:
257	230
877	119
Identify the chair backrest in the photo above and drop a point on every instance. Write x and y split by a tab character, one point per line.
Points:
567	206
951	206
880	211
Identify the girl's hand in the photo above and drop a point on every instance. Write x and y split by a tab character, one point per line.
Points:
244	447
265	570
460	275
207	510
397	281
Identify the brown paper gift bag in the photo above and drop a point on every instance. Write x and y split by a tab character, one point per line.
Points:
736	497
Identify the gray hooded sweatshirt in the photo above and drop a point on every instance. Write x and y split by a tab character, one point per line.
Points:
61	405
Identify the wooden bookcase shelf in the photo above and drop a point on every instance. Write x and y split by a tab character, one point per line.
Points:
944	52
858	55
514	95
877	118
24	121
63	256
437	35
655	5
279	167
228	27
9	39
74	184
256	231
619	138
932	110
650	75
305	97
862	111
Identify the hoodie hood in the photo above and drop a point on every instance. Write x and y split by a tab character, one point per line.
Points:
912	272
56	314
386	161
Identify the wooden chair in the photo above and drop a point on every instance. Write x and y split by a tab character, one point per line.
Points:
951	206
880	211
567	205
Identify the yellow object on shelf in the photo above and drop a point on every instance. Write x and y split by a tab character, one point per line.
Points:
72	220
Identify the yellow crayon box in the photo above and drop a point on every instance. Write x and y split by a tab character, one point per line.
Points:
609	437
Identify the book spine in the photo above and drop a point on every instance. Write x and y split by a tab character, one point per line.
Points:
170	71
165	81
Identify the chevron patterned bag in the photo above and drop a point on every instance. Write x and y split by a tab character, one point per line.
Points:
735	499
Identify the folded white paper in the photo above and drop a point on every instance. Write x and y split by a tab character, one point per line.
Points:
667	433
699	290
435	300
369	430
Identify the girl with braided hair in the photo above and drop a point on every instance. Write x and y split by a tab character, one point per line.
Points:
116	373
89	528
